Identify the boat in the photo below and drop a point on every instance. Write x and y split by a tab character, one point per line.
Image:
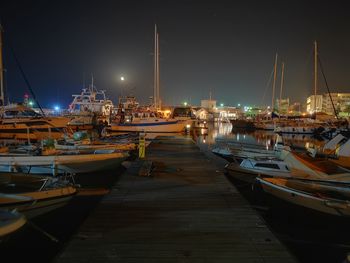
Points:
73	162
10	221
333	203
89	108
34	195
149	123
249	168
22	122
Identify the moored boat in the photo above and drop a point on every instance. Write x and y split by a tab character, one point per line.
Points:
34	195
58	164
308	197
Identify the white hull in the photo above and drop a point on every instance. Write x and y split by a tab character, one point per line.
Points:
55	164
249	175
152	127
305	199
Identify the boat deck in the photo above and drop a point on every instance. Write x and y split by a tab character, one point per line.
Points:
186	211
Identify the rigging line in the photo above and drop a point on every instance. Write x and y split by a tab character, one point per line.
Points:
329	93
23	74
26	79
267	85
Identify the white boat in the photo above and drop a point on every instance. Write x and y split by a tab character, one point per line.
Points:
308	197
148	124
10	221
58	164
89	107
248	169
34	195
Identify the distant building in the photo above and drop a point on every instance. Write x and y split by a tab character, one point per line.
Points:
283	106
314	104
210	105
341	102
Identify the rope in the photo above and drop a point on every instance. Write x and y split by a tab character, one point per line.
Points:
329	93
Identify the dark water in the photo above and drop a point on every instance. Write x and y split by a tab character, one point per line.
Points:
309	235
44	237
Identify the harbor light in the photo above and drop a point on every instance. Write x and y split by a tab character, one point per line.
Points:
185	103
222	105
31	103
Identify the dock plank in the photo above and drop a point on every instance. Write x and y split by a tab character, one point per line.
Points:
186	211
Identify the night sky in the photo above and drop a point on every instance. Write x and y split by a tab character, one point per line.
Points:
226	47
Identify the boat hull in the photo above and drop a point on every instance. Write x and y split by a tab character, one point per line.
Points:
304	199
152	127
80	163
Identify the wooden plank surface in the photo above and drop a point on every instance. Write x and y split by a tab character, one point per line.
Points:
186	211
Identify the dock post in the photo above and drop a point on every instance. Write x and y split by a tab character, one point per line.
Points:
142	147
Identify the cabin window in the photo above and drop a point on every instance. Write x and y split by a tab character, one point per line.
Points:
268	165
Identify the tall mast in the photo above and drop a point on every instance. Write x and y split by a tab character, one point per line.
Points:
158	86
274	84
315	77
155	88
282	80
2	97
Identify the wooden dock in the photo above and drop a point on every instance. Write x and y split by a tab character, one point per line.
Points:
186	211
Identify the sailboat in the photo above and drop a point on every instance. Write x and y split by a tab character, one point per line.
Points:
302	126
150	120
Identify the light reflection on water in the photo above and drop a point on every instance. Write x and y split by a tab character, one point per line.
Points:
219	134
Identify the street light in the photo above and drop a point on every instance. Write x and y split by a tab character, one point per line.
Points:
122	78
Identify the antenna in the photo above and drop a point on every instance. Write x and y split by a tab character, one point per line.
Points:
2	97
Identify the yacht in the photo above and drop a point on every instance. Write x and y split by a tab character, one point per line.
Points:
22	122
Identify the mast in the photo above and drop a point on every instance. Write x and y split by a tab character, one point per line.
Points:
158	88
274	84
2	97
282	80
155	88
315	77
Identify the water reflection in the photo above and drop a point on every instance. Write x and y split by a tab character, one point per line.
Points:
222	133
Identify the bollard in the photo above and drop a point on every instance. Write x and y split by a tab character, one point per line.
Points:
142	148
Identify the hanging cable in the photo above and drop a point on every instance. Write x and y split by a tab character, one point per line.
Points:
24	75
329	93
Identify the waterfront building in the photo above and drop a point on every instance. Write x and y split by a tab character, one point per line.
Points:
341	103
210	104
283	106
314	103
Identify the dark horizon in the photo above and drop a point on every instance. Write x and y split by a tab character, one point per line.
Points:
221	47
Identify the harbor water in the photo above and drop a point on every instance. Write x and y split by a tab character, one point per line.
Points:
309	235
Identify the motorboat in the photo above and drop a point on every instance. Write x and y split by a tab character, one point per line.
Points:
34	195
22	122
249	168
89	108
310	195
